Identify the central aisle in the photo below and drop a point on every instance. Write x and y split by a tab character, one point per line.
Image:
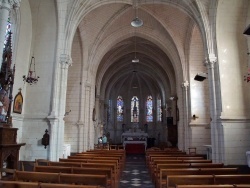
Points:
135	173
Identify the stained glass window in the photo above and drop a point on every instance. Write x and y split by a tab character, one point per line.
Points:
134	109
119	108
159	110
7	31
149	106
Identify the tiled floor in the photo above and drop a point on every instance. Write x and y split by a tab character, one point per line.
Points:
135	173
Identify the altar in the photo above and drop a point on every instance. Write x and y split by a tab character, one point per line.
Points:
133	139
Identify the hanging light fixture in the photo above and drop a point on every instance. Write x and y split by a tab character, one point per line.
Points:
31	78
136	22
135	60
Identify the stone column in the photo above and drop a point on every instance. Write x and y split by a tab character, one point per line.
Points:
5	9
56	118
53	129
86	136
210	64
80	127
186	139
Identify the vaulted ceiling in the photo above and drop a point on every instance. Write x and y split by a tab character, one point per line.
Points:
161	44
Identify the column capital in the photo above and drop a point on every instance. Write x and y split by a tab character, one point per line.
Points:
210	61
65	60
185	84
9	4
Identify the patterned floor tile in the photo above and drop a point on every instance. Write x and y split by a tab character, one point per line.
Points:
135	173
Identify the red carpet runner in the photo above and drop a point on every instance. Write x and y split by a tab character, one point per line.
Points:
135	148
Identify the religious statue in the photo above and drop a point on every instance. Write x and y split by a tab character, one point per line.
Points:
4	105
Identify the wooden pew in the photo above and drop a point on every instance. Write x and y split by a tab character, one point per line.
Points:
173	158
154	156
88	165
232	179
15	184
174	180
84	179
213	186
80	170
18	184
95	160
36	177
61	178
156	172
164	173
156	161
150	157
98	162
121	155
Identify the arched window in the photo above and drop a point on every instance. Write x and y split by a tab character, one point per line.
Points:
120	108
7	32
134	109
159	109
149	107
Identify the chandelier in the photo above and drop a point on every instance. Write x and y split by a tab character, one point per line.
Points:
31	78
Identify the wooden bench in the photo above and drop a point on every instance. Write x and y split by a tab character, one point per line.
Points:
174	180
213	186
18	184
172	158
80	170
88	165
150	157
156	171
178	161
94	157
164	173
61	178
83	162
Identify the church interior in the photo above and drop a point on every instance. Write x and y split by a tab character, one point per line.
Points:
164	74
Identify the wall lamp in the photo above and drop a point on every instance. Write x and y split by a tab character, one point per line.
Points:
195	117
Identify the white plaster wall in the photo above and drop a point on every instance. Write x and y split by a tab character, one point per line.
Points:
37	99
232	59
199	92
200	136
32	134
236	142
24	37
73	95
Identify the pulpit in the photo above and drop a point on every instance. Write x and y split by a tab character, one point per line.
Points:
9	148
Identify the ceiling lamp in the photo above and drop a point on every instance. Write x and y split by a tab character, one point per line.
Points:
136	22
135	60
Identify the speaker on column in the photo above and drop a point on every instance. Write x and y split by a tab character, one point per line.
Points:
170	121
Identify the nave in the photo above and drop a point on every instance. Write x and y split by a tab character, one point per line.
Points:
102	168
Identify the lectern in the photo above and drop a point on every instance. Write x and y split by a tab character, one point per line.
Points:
9	148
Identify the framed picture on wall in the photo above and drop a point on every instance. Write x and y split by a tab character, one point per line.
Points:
18	103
